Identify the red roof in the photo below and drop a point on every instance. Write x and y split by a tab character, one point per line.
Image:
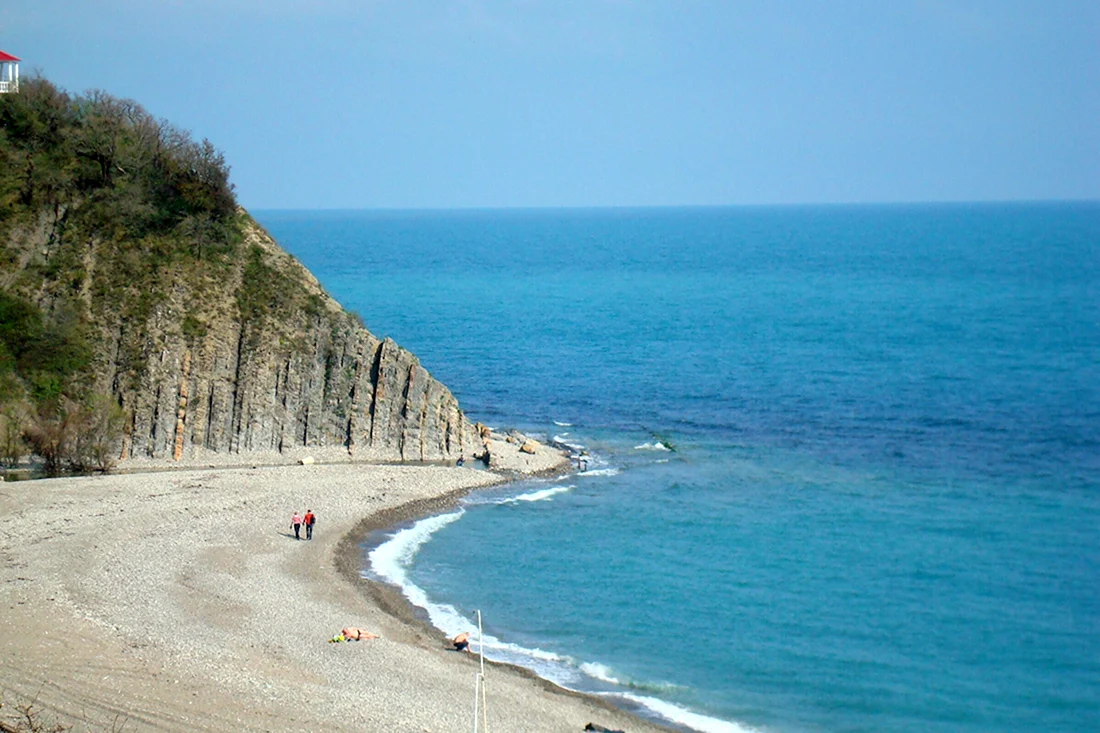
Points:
8	57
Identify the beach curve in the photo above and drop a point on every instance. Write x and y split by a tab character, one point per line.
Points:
180	601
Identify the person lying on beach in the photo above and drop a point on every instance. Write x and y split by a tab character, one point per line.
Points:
461	642
354	633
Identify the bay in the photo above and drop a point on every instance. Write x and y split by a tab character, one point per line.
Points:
844	466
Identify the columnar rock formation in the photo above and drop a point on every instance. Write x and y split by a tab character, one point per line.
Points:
307	376
252	355
129	275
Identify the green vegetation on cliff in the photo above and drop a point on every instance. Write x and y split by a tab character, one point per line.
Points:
95	168
143	313
87	172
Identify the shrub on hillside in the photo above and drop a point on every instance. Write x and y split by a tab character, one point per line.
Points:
121	203
12	446
75	437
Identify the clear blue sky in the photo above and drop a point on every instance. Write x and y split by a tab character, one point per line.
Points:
396	104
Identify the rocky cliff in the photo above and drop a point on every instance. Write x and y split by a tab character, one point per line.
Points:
242	355
134	289
300	374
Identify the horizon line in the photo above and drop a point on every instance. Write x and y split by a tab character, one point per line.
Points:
636	207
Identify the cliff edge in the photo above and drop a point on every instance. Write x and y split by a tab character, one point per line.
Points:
131	280
292	371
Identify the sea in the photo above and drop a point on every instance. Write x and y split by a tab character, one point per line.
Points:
843	462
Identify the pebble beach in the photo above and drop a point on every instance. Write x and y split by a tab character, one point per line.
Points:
180	601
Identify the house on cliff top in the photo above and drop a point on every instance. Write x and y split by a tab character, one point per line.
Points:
9	73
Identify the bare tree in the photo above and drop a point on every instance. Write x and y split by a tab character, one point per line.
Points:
50	435
96	443
12	445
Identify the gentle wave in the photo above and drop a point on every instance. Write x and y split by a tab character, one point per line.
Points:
392	557
599	472
541	495
683	716
600	672
390	560
603	673
563	424
516	654
561	440
656	445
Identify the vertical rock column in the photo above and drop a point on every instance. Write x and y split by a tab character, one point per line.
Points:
181	410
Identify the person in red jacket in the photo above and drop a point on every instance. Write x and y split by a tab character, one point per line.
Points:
309	522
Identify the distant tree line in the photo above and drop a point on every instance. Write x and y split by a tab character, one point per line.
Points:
80	173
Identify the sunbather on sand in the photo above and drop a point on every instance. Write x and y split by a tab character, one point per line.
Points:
462	642
354	633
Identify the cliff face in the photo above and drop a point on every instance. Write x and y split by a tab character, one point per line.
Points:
133	288
246	354
299	373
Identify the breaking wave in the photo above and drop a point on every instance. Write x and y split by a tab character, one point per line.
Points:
655	445
541	495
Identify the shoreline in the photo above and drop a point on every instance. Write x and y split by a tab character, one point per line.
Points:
178	600
389	598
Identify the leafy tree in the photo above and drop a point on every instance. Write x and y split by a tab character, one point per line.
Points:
81	438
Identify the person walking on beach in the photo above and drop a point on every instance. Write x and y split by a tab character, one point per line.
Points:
309	521
296	525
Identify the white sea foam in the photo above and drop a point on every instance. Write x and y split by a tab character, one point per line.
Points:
516	652
563	424
390	561
540	495
655	445
599	472
683	716
600	672
661	460
561	440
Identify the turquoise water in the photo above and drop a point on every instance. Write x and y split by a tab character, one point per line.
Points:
881	506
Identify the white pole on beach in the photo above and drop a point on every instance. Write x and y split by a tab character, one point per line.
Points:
480	644
480	703
481	653
477	698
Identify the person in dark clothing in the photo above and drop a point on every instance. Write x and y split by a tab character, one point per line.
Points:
309	522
